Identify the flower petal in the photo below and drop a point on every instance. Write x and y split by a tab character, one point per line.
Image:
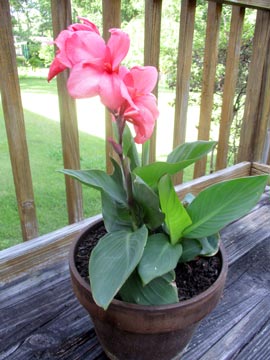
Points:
110	91
144	77
118	44
144	124
126	86
87	47
144	119
55	68
85	26
83	81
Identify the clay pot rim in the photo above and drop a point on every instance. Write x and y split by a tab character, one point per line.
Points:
152	308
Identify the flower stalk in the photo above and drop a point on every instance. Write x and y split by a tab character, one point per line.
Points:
125	166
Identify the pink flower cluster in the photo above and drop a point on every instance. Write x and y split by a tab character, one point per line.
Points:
96	70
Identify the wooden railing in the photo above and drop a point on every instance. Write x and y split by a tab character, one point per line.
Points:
254	139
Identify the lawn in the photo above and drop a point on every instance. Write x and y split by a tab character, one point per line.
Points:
44	142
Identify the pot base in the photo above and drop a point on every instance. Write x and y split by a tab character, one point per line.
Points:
123	345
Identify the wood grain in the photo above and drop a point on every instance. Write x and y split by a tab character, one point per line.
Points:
208	81
232	64
61	18
255	4
253	130
239	300
152	28
257	168
15	128
262	141
186	32
25	257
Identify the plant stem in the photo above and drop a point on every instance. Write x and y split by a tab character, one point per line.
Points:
124	162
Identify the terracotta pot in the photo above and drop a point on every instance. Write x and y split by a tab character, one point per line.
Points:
135	332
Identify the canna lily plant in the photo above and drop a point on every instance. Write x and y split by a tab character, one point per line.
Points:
149	230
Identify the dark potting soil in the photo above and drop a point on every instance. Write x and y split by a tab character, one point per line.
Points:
192	278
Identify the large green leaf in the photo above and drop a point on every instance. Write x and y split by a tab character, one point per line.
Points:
191	249
99	180
117	174
112	261
116	215
222	203
159	257
176	216
190	150
149	202
158	292
179	159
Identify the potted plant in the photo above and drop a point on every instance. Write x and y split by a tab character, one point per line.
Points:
147	238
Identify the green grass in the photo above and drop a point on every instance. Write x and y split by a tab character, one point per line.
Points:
44	144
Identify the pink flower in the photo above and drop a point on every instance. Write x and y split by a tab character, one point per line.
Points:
64	56
100	76
96	70
141	109
94	65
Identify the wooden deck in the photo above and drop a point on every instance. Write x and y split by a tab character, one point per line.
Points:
40	317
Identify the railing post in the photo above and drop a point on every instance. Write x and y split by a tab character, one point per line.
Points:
232	65
14	120
151	50
208	81
186	32
61	17
254	127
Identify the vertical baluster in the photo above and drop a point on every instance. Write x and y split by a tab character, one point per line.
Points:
208	82
61	18
232	65
186	32
15	128
153	9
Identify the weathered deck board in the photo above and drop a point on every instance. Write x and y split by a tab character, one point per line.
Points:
242	312
40	317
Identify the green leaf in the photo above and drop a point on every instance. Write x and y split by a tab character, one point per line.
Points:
191	150
117	174
116	215
145	153
130	149
149	202
179	159
210	245
222	203
157	292
169	277
191	249
99	180
159	257
176	216
112	261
